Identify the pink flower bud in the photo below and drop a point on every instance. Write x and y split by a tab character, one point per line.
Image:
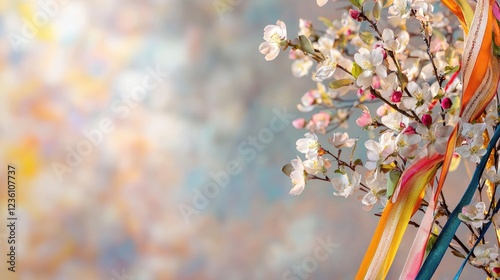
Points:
360	92
321	119
426	119
446	103
354	13
396	96
496	271
409	130
299	123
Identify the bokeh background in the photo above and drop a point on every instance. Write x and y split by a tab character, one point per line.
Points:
128	208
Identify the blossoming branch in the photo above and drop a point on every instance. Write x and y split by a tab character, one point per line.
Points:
421	78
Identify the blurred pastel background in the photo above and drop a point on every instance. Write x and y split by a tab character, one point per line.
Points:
126	206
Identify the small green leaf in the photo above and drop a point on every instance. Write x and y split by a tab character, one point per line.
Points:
287	169
440	94
356	70
458	254
403	79
392	182
387	3
377	9
340	171
368	13
341	83
326	22
450	70
358	162
431	241
306	45
367	37
357	3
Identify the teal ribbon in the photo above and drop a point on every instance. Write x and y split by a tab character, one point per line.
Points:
445	237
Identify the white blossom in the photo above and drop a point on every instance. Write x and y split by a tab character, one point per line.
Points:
407	145
484	254
492	175
435	138
346	184
473	214
400	8
473	151
341	140
395	121
473	132
327	67
315	165
300	67
308	145
371	63
379	152
273	36
377	183
298	177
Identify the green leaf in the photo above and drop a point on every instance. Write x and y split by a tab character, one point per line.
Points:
377	9
450	70
326	22
306	45
356	70
357	3
367	37
341	83
404	80
287	169
340	171
458	254
387	3
430	242
358	162
440	94
392	182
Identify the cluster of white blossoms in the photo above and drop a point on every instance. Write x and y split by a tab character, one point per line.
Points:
472	147
406	95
